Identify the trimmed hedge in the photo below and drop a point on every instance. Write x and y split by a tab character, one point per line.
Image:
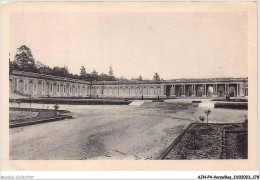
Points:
196	101
231	100
242	105
72	101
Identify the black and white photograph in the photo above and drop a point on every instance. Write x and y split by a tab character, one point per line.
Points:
129	81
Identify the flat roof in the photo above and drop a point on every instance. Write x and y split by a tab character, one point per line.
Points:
46	76
175	81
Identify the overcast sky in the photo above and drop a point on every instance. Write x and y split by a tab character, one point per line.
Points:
173	44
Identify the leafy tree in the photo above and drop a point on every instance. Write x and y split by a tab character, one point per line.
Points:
75	76
56	71
45	70
140	78
103	77
122	78
94	75
94	72
207	112
83	72
13	66
111	78
156	77
202	119
63	72
24	59
110	72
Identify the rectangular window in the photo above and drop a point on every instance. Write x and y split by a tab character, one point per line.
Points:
70	89
43	86
58	88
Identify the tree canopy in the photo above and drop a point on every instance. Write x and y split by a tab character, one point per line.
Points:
156	77
83	72
110	72
24	61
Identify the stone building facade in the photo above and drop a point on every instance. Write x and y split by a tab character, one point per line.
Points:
40	85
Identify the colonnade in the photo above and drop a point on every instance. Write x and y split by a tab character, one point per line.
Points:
38	85
220	89
47	88
129	90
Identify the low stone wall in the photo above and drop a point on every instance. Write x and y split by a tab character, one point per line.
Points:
43	115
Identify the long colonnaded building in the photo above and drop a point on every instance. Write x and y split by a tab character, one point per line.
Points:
41	85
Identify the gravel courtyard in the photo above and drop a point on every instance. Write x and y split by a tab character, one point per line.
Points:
111	131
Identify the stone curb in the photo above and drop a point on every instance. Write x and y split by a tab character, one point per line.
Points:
61	117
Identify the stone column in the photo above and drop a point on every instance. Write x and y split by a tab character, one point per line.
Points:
183	90
242	89
214	90
195	93
205	91
237	91
193	90
173	90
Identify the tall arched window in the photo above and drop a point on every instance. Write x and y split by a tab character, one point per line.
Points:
34	86
61	88
43	86
51	87
25	85
58	88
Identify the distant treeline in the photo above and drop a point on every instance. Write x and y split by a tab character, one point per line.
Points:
24	61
